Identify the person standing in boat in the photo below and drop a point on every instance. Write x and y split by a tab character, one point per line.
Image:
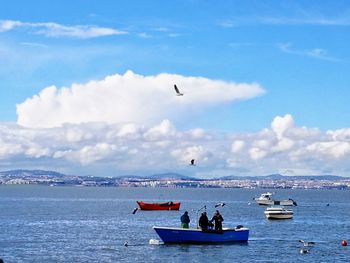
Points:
203	221
185	220
217	218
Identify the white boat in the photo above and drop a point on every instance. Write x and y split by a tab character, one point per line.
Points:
266	199
278	212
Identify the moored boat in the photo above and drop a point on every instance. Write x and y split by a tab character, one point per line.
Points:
278	212
159	206
266	199
197	236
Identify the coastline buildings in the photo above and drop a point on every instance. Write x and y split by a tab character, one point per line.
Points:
40	177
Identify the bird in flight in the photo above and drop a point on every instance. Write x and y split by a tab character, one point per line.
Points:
220	204
192	162
178	93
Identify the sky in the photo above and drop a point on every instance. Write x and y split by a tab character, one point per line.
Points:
86	87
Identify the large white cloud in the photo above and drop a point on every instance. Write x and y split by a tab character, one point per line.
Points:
130	148
128	98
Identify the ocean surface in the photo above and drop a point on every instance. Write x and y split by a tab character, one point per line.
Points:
91	224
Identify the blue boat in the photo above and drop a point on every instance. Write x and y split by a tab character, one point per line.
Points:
197	236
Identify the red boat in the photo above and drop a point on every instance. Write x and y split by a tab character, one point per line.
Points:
159	206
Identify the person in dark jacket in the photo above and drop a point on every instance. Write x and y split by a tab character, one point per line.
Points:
217	218
203	221
185	220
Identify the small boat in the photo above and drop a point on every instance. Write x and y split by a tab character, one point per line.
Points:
266	199
198	236
159	206
278	212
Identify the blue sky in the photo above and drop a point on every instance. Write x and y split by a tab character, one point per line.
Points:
294	52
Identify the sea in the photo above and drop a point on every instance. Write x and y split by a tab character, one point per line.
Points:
93	224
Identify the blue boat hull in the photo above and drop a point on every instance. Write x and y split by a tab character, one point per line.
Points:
182	235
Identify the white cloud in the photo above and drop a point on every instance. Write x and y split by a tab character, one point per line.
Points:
261	143
7	25
173	34
318	53
332	149
281	124
92	153
237	146
128	130
197	152
128	98
51	29
144	35
131	148
198	134
163	130
227	24
309	19
341	134
9	149
283	144
257	153
37	151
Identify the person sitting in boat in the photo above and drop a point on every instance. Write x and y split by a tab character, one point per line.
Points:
185	220
217	218
203	221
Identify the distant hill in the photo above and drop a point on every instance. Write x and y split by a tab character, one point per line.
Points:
170	176
284	177
21	173
318	177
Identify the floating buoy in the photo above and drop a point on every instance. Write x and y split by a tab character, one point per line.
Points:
344	243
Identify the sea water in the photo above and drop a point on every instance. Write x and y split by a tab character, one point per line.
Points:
96	224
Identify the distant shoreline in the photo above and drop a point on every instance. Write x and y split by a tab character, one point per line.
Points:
172	180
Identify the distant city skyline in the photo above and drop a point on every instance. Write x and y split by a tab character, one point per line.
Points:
89	89
171	180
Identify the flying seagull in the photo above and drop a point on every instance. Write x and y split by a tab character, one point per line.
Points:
192	162
178	93
220	204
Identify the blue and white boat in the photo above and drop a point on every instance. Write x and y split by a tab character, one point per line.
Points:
196	236
278	212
